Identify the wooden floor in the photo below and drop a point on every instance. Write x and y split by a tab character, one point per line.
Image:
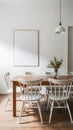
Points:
60	118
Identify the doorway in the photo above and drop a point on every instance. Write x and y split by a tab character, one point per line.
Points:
70	49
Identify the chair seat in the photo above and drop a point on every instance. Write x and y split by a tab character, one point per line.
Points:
27	97
57	98
10	90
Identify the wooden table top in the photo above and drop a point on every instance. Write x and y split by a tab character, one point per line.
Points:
44	77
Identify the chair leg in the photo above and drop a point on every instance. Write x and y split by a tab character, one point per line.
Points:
39	109
48	104
69	112
7	101
51	110
21	112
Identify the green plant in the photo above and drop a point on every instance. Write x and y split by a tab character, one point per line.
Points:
55	64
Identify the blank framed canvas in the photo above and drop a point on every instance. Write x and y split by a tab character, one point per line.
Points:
26	48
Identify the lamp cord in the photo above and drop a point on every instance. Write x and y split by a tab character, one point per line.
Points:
60	14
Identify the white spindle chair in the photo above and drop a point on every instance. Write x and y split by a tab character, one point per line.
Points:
59	92
30	95
9	88
71	92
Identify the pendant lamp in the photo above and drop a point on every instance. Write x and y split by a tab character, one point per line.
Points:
60	28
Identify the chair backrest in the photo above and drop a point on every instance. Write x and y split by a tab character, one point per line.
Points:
7	79
28	73
60	88
27	88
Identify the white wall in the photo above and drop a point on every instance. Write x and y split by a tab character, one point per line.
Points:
33	14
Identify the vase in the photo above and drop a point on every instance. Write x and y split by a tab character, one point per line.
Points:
56	74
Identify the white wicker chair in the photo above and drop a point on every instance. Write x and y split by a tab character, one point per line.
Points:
9	88
30	96
59	92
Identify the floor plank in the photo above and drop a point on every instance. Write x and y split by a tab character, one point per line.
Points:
60	118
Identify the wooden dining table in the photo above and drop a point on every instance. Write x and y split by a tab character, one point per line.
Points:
31	77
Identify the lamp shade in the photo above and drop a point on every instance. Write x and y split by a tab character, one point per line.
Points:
60	29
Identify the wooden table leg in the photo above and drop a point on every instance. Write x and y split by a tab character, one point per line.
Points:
14	99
